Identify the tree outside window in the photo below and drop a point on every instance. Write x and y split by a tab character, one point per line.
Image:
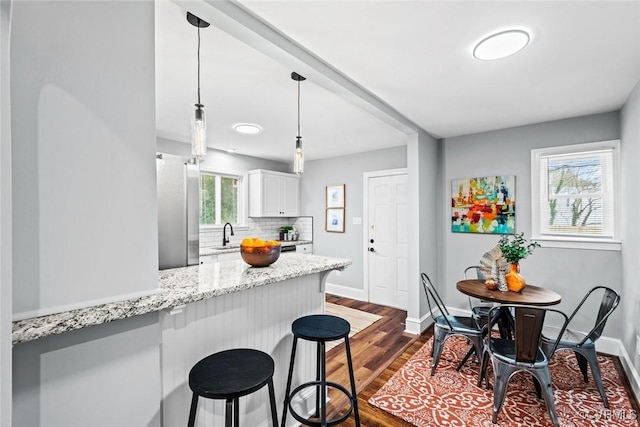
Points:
219	195
574	192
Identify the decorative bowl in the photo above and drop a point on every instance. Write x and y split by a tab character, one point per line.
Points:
260	254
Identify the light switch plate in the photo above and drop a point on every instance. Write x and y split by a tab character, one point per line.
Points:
357	220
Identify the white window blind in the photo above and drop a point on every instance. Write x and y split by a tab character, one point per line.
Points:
574	191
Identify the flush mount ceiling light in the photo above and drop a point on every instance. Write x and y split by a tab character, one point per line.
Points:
248	128
501	45
298	160
198	123
231	150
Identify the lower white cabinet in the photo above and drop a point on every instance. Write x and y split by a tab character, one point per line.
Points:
225	256
304	249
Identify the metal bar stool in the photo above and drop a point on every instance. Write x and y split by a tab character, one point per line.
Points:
229	375
321	328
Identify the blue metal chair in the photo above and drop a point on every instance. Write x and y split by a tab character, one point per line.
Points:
479	308
521	354
446	325
583	345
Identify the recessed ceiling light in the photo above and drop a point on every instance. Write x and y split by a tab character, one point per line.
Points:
231	150
501	45
248	128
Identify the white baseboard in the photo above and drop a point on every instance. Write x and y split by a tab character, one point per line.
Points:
345	291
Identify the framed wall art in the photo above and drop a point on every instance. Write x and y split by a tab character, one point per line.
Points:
334	196
334	220
484	205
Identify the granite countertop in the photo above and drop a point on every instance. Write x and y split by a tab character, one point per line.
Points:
176	287
235	247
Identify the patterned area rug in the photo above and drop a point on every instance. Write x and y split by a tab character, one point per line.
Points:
451	398
358	320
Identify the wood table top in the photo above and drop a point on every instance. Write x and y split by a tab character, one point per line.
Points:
530	295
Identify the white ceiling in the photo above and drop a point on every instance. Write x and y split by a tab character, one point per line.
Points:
415	56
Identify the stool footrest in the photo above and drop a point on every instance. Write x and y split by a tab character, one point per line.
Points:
316	384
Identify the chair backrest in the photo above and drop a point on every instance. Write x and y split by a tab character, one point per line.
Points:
609	302
529	321
431	293
474	272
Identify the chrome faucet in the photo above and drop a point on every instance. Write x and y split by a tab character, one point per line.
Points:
225	239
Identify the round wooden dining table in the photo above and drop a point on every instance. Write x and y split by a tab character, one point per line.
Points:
530	295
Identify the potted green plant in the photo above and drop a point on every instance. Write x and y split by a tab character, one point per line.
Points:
284	231
513	250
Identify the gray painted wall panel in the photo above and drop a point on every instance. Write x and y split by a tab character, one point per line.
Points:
346	170
630	147
507	152
83	129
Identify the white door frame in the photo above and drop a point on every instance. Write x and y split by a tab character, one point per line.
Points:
365	219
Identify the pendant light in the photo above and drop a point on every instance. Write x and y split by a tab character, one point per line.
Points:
198	123
298	160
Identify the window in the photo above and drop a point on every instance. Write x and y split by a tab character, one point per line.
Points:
574	195
220	197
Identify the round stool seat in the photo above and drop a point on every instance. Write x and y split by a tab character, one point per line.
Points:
231	373
320	327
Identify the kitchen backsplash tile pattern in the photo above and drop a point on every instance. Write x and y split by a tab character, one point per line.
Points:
265	228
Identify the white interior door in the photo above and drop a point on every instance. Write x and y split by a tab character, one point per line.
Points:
388	248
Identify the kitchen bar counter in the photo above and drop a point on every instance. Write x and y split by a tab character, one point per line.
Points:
176	287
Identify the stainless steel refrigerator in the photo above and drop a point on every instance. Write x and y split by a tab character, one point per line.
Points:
178	211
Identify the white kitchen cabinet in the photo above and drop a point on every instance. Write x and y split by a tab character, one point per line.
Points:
224	256
208	259
229	256
273	194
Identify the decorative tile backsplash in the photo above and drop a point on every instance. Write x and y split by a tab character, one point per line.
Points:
265	228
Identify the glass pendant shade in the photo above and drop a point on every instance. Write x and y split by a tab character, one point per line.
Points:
198	123
199	133
298	161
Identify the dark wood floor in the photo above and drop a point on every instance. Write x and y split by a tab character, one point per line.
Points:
377	353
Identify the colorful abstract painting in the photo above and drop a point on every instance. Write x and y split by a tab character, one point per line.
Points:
483	205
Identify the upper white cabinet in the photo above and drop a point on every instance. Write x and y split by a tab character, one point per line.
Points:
273	194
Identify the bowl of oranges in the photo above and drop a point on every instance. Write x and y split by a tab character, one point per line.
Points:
259	253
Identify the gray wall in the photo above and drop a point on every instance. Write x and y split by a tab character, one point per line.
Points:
346	170
5	219
83	129
221	160
570	272
84	208
630	146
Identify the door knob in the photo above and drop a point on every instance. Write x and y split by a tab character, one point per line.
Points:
371	250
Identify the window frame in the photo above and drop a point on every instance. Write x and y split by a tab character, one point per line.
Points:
242	195
538	178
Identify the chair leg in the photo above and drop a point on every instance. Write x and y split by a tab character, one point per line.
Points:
354	395
543	378
501	376
192	412
582	364
228	412
466	357
592	358
438	342
484	361
288	389
272	401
